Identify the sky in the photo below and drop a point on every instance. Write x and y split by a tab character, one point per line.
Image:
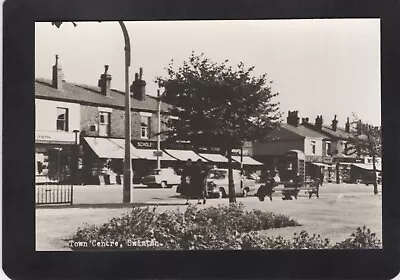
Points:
318	66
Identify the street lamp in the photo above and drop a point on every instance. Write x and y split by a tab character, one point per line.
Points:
159	130
75	175
127	160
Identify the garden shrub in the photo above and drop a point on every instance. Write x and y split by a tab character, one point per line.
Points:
212	228
363	238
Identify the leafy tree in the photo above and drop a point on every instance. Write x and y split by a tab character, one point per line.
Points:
218	105
366	140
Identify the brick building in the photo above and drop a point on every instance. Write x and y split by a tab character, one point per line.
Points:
97	116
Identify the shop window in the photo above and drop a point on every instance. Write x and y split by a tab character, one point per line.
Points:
104	124
313	147
145	126
62	119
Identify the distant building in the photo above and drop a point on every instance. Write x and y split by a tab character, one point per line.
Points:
295	136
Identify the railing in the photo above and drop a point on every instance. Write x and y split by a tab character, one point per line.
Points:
50	192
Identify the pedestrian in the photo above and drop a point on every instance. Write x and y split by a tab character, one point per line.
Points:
321	177
186	181
200	174
266	189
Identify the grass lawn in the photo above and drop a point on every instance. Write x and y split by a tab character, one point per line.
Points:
333	215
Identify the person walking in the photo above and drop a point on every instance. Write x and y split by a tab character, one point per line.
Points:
187	180
200	174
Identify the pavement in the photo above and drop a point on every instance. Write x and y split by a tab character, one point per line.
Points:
335	215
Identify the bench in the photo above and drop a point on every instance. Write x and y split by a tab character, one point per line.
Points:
289	189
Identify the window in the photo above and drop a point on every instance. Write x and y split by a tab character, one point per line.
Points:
62	119
328	148
145	126
313	147
345	147
104	124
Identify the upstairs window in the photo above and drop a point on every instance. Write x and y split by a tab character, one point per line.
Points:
328	148
313	147
62	119
104	124
145	126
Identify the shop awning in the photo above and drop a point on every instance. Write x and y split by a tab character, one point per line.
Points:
320	164
183	155
214	157
247	160
368	166
109	148
149	154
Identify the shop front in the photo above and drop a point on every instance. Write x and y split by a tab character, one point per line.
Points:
54	156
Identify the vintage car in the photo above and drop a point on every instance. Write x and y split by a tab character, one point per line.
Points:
217	183
164	177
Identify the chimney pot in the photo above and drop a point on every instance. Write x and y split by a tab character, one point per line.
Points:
58	76
138	87
105	82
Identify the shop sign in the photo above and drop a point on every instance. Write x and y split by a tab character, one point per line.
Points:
145	144
209	149
55	137
158	153
314	158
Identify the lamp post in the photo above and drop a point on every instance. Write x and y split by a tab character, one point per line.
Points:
127	159
159	130
75	175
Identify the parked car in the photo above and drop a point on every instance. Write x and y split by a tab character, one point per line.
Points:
164	177
217	183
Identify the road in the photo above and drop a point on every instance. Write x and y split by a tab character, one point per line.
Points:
140	194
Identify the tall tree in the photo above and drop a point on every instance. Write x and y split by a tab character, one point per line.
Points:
366	140
218	105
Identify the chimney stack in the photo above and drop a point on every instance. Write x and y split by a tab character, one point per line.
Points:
304	121
58	75
138	87
319	122
105	82
293	118
334	124
347	128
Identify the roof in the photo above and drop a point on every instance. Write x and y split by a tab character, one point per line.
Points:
303	131
339	133
214	157
89	94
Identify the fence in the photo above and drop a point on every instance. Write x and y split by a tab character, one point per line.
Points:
52	192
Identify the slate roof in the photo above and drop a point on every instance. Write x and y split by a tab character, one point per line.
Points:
340	133
290	132
303	131
85	94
